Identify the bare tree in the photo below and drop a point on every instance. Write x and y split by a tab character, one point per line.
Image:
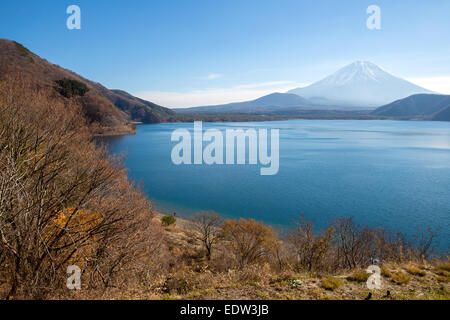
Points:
425	241
63	200
355	245
390	246
310	248
249	240
208	225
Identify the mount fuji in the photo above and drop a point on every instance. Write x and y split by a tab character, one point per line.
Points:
361	84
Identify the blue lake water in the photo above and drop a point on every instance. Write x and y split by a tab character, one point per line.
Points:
393	174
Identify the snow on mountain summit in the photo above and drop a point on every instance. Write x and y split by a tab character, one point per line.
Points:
357	71
361	83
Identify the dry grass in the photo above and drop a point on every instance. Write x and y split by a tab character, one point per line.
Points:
442	273
400	277
385	271
358	275
415	271
444	266
443	279
330	283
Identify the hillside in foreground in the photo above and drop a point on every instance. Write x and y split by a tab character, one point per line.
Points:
192	279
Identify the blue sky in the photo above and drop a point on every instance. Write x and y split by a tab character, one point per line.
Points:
187	53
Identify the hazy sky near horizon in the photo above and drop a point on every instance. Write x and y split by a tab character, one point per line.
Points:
199	52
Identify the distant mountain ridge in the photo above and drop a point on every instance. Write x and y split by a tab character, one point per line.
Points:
421	106
362	84
272	102
107	110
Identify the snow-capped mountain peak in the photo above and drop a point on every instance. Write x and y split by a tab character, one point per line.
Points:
360	83
355	72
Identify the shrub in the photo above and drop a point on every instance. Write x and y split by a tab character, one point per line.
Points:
168	220
330	283
249	240
415	271
359	276
400	277
70	88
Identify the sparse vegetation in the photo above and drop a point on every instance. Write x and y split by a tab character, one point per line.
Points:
24	51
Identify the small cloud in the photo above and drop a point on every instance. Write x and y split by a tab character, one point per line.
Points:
213	76
265	84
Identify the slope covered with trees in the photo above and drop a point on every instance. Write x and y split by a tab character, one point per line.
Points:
63	200
107	111
420	106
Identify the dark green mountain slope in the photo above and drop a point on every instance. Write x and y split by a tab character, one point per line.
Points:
419	106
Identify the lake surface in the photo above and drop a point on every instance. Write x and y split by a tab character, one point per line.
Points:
394	174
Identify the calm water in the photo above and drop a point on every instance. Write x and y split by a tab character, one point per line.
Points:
394	174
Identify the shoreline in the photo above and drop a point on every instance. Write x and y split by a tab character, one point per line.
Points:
127	133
